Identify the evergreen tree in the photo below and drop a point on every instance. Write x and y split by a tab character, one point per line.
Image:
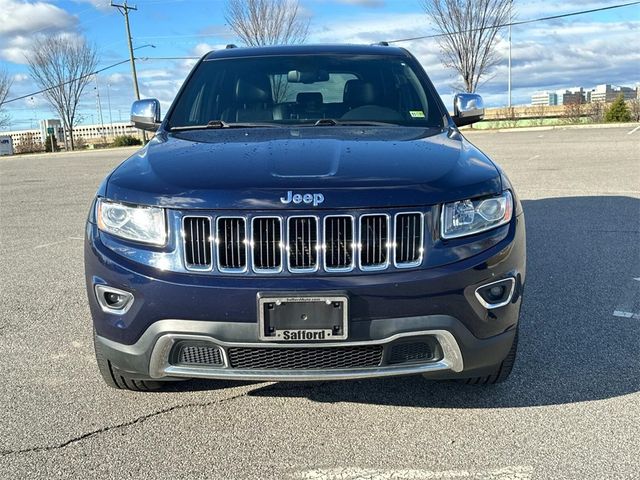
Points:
618	111
47	144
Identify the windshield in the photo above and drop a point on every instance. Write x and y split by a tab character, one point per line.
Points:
305	90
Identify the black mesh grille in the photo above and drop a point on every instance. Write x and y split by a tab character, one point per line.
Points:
411	352
408	238
338	236
303	243
232	243
305	358
197	242
199	355
267	240
374	240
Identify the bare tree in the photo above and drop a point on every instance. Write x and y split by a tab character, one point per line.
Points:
267	22
5	85
62	67
469	30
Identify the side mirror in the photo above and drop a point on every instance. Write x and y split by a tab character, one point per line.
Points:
468	108
145	114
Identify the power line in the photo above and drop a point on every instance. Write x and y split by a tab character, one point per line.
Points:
522	22
65	83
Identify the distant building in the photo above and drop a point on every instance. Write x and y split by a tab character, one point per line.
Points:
544	99
572	96
608	93
88	133
6	145
56	125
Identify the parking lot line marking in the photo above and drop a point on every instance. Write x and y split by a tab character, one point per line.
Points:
634	130
45	245
506	473
623	314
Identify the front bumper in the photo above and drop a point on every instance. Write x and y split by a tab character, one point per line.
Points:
438	304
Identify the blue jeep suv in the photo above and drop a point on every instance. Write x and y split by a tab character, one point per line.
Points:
305	213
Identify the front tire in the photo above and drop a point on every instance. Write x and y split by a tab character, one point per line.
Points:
115	378
501	372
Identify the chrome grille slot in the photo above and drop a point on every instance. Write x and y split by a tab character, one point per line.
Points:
267	244
408	239
231	240
338	243
374	242
197	242
303	244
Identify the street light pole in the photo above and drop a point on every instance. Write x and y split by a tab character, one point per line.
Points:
510	21
104	139
109	105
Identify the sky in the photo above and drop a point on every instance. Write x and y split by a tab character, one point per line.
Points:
585	50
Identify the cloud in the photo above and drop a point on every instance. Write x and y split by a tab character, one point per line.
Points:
21	22
364	3
546	55
99	4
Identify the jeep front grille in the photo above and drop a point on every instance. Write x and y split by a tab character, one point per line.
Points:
338	243
197	238
329	243
267	244
231	240
303	244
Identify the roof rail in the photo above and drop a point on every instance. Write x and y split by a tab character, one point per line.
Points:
231	45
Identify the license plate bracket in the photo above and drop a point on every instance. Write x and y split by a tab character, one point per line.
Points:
308	318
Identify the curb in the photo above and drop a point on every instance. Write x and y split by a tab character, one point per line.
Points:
40	155
552	127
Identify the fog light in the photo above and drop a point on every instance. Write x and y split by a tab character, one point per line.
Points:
113	300
496	294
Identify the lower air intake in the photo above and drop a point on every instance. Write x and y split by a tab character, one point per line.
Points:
411	352
305	358
199	355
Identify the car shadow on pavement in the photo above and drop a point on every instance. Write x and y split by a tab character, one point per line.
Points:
583	255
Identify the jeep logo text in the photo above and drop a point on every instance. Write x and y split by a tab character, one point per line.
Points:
314	199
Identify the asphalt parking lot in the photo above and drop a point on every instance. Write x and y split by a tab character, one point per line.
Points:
571	408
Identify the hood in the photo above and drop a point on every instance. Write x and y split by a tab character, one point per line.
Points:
349	167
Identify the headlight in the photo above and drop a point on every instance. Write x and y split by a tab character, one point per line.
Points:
468	217
140	224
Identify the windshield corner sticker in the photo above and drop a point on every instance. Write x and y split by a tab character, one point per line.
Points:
416	113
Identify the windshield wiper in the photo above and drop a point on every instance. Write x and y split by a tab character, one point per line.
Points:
330	122
217	124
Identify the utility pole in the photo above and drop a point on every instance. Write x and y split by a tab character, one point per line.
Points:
124	10
510	21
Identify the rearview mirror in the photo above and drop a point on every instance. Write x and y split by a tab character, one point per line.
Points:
468	108
145	114
296	76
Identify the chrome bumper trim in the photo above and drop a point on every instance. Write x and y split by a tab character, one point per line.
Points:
159	365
